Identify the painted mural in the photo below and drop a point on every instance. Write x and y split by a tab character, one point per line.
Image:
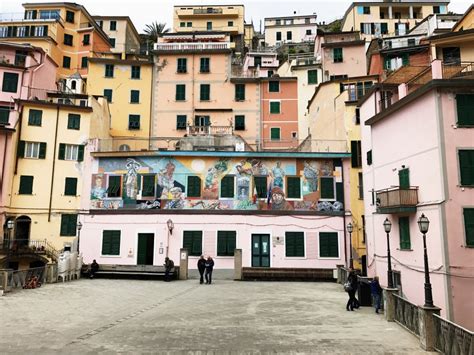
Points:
164	183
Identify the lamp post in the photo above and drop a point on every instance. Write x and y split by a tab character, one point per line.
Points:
423	225
388	227
79	227
350	228
10	226
170	225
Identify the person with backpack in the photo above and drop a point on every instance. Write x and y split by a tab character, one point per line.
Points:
209	267
201	264
376	291
169	265
351	288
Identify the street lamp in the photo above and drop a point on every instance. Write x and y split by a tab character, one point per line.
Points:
388	227
423	225
79	227
350	228
10	226
170	225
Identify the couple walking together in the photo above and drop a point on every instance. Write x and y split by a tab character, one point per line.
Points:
205	267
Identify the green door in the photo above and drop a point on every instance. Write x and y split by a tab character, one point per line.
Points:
404	178
260	250
146	242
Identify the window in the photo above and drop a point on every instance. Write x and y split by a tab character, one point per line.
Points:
328	245
26	185
71	152
35	117
108	94
74	121
205	92
327	188
230	24
275	107
113	25
70	16
181	122
68	39
411	42
111	242
202	121
100	23
182	65
10	82
274	86
404	228
452	55
134	96
356	154
112	42
114	186
337	55
384	28
192	241
133	122
49	14
436	10
239	92
261	186
180	92
469	226
209	26
4	115
293	187
278	22
274	133
357	116
369	157
182	24
309	32
32	150
66	62
278	36
312	77
366	10
204	68
84	61
68	225
70	186
194	186
404	178
136	71
31	14
86	40
227	186
465	109
307	20
226	243
189	24
466	166
361	186
289	35
257	61
148	186
294	244
240	123
270	73
109	70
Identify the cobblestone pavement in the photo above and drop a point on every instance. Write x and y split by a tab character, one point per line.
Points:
133	316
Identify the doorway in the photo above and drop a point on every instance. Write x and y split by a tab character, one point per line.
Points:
146	243
260	250
22	231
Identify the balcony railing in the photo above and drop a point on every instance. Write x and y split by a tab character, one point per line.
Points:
207	11
19	247
209	130
452	338
397	200
406	314
191	46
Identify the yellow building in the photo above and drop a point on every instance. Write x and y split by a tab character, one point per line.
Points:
334	118
377	19
466	22
66	32
122	33
127	85
214	18
249	37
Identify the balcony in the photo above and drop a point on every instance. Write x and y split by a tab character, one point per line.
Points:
192	46
209	130
224	11
397	200
26	247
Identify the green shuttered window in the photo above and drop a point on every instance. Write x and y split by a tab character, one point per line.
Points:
294	244
182	65
74	121
70	187
205	92
194	186
356	154
469	226
275	133
205	68
240	123
135	72
274	86
404	178
111	242
26	185
275	107
227	186
466	167
337	55
293	187
133	122
181	121
465	108
404	226
109	70
35	117
261	186
148	186
108	94
68	225
71	152
239	92
327	188
114	188
134	96
328	245
226	243
192	241
312	77
10	82
180	92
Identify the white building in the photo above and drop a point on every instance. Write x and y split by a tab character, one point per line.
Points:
290	29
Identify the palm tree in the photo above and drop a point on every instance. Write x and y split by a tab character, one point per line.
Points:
154	30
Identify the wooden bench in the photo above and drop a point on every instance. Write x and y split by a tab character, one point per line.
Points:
286	274
132	271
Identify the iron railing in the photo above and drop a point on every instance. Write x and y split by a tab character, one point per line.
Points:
406	314
12	279
209	130
18	247
193	46
452	338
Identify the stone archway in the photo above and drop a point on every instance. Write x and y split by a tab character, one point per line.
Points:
22	230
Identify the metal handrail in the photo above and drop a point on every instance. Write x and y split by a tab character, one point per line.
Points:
406	314
452	338
22	246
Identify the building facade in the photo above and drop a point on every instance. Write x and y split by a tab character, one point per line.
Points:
289	29
123	35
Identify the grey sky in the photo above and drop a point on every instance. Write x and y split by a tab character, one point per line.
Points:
146	11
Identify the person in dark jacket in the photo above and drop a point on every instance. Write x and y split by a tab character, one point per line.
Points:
201	267
352	302
94	268
209	266
376	291
169	265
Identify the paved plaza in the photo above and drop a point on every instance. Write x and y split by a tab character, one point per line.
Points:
134	316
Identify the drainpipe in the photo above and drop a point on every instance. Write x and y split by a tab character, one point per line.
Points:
152	103
344	215
54	163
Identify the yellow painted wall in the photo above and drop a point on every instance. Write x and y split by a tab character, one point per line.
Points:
467	22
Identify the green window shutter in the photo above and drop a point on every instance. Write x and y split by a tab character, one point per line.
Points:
328	245
74	121
42	151
133	122
192	241
136	72
275	134
194	186
465	109
205	92
62	151
181	121
226	241
148	187
261	186
369	157
26	185
294	243
469	226
111	242
70	188
356	154
337	55
84	61
35	117
387	63
21	149
182	65
240	123
109	71
68	225
466	166
327	188
312	77
66	62
384	28
134	96
108	94
405	59
180	92
293	187
10	82
227	186
239	92
4	115
273	86
404	178
204	65
275	107
404	226
80	153
114	187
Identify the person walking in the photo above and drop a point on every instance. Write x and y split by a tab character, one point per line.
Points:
169	264
351	289
376	291
201	264
209	266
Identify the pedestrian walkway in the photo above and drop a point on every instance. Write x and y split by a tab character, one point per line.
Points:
132	316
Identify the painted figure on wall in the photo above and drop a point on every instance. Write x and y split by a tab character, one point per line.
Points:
211	182
278	175
177	202
244	173
98	191
166	182
310	174
278	201
131	184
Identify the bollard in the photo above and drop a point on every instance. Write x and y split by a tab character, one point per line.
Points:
389	303
238	264
183	264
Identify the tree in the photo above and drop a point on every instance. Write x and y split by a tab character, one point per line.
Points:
154	30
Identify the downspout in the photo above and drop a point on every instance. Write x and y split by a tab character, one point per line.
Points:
152	103
3	164
344	215
54	163
193	122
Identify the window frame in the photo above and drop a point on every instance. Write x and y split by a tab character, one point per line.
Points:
134	96
261	196
338	246
189	190
333	198
270	107
68	227
239	92
287	187
118	237
186	235
108	97
132	122
66	62
113	25
279	134
135	72
225	234
71	180
312	79
295	234
404	239
203	67
68	39
205	92
109	70
227	178
35	121
461	168
469	243
7	84
181	65
27	179
116	193
338	55
181	125
239	122
74	121
272	84
179	97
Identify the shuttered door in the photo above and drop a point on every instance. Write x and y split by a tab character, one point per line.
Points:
404	225
404	178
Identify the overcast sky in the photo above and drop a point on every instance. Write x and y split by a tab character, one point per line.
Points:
146	11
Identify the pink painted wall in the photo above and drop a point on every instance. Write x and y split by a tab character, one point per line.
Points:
354	61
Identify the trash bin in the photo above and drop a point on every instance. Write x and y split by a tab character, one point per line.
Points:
363	292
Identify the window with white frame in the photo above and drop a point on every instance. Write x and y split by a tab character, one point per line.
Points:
71	152
32	150
21	31
3	31
39	31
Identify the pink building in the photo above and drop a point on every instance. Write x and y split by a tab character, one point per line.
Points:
418	154
260	64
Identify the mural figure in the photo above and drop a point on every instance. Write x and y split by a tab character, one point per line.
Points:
208	205
326	170
244	173
258	168
99	191
211	182
326	206
278	201
149	205
311	175
131	179
278	175
166	181
177	202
